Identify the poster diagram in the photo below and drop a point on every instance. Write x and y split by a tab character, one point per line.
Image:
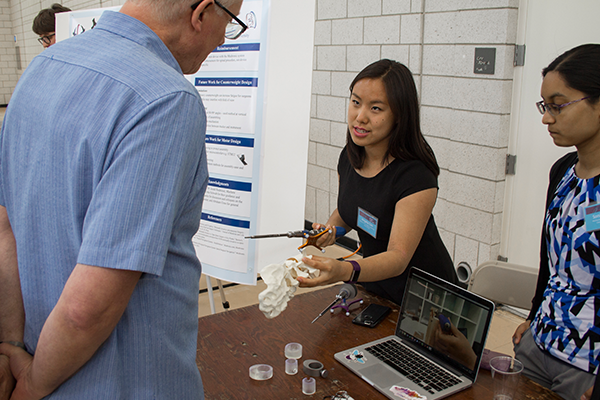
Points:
75	23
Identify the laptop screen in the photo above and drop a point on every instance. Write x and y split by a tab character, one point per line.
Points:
449	321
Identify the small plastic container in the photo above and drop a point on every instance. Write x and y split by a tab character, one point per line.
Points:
291	366
309	386
261	372
293	350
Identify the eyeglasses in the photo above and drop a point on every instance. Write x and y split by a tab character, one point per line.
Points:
554	109
234	28
46	39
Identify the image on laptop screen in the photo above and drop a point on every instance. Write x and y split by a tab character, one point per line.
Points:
451	325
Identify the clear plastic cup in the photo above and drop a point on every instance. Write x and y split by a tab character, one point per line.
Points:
261	372
309	386
293	350
506	373
291	366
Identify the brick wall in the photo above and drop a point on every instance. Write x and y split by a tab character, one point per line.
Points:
465	117
8	57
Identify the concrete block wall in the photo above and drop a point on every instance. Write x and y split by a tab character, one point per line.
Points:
16	18
465	116
8	58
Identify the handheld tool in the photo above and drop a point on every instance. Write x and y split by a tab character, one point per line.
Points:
310	236
347	291
303	233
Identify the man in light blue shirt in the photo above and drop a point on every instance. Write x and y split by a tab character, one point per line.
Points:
102	175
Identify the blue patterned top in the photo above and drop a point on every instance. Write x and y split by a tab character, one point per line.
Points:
567	324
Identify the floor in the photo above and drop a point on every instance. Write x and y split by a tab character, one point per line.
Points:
499	339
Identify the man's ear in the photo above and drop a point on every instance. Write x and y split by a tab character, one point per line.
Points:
198	14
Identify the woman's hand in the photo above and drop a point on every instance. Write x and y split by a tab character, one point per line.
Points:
519	331
455	344
327	238
332	271
588	394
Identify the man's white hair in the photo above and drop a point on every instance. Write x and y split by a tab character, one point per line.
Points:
170	10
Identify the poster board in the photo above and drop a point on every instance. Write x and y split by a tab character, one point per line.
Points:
258	111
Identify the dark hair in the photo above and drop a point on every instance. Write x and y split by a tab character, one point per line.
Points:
406	140
44	22
580	68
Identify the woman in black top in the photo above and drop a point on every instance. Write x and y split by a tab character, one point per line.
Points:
388	187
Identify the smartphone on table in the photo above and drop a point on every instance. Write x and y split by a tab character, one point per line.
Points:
372	315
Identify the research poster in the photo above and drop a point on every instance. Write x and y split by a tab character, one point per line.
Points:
231	83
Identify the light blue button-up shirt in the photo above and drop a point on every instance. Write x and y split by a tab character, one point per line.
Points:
102	162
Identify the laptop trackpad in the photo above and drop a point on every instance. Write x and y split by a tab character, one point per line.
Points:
381	376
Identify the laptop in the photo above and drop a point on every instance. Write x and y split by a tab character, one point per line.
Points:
437	347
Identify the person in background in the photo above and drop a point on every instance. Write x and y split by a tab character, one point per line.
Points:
559	343
44	24
102	176
387	188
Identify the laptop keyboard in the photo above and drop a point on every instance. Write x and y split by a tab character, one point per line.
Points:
415	367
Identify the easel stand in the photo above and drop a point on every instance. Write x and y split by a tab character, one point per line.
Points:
211	297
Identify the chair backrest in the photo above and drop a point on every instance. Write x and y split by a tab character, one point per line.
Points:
505	283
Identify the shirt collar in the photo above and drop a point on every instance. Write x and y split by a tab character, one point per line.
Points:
135	30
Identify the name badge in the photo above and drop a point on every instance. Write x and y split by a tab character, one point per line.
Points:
367	222
592	218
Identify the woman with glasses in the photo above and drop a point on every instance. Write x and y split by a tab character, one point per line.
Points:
387	188
44	24
559	343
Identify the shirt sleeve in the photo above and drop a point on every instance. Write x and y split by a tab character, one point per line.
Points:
146	186
412	178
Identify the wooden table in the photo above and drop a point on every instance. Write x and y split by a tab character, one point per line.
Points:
232	341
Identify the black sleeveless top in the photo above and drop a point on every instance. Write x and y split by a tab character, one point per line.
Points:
377	198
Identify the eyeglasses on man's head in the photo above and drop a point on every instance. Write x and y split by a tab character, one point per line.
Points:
234	28
46	39
554	109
